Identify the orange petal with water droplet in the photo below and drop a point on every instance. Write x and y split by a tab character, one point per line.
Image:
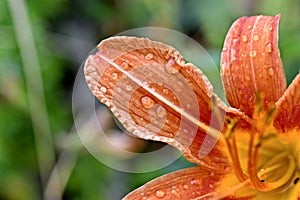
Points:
251	63
288	107
157	96
189	183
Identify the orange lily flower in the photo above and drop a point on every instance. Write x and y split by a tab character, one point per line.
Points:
247	151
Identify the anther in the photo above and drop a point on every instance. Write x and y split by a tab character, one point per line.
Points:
296	180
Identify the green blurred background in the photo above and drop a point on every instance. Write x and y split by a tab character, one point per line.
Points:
40	153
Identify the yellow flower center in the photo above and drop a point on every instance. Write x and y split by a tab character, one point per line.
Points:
263	158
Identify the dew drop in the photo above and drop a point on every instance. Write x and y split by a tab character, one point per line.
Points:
249	27
175	194
124	65
244	38
128	87
149	56
186	187
271	71
195	182
271	28
188	106
166	91
235	40
161	112
252	53
119	89
170	68
255	38
147	102
224	49
114	76
103	89
160	193
97	59
269	48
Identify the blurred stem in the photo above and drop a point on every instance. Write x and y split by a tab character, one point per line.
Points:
61	172
34	85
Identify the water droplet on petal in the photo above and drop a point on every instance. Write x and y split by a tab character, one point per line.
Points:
170	68
128	87
188	106
175	194
244	38
166	91
252	53
124	65
271	71
147	102
103	89
186	187
114	76
269	48
160	193
97	59
149	56
251	98
119	89
271	28
255	38
195	182
235	40
224	49
161	112
249	27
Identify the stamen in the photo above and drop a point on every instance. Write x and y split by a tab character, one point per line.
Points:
233	151
252	164
270	114
287	175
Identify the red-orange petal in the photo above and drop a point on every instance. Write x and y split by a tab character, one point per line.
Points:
288	107
157	96
251	63
190	183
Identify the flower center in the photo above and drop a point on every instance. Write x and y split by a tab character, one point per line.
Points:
264	157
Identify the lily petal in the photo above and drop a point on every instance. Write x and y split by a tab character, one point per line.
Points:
190	183
251	63
288	107
157	96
